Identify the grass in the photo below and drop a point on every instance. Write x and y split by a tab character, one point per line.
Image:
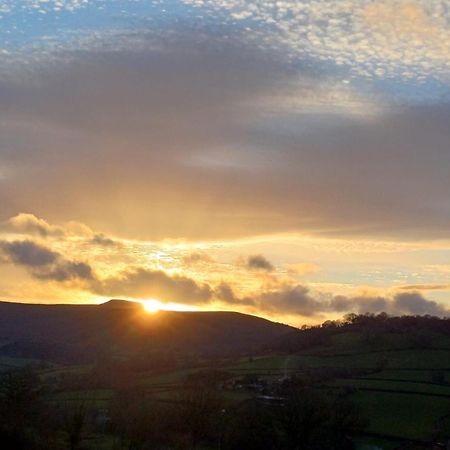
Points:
97	397
58	371
364	443
414	359
276	362
420	388
400	415
174	376
7	363
394	414
423	375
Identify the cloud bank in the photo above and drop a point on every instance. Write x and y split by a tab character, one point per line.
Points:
284	299
43	263
217	142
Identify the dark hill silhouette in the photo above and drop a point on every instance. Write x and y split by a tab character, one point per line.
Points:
417	332
85	332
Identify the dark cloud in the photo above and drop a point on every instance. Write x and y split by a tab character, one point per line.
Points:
43	263
145	283
409	303
102	241
341	303
225	293
290	300
259	262
413	303
29	254
197	258
299	300
66	271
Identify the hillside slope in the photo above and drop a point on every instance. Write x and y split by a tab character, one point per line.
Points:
85	332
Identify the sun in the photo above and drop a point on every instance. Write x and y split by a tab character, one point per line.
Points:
152	305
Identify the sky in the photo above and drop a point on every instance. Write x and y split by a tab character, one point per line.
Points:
288	159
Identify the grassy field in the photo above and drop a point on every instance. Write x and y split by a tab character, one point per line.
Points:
397	386
400	398
401	415
421	359
7	363
396	389
98	398
423	375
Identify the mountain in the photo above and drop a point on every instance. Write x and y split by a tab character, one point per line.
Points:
83	333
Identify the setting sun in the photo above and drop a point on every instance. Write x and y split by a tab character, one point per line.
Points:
152	306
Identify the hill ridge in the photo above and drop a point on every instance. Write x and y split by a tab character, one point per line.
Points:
86	332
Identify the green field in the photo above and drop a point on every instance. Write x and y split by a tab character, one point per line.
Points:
396	386
11	363
401	400
423	375
401	415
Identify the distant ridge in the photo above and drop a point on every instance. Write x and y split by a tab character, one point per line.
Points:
83	333
117	303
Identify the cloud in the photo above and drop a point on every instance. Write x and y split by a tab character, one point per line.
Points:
290	300
28	253
298	300
259	262
301	269
144	283
25	223
31	225
409	303
198	102
330	176
102	241
66	271
425	287
223	141
408	39
139	282
43	263
195	258
414	304
225	293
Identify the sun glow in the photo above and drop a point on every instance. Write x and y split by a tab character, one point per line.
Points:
152	306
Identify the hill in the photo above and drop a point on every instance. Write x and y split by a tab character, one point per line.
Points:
384	382
373	331
83	333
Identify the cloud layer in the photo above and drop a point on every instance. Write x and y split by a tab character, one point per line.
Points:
282	299
217	141
403	38
43	263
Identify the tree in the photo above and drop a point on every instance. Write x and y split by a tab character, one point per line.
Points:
139	422
197	414
251	426
74	419
310	420
345	420
302	418
23	415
